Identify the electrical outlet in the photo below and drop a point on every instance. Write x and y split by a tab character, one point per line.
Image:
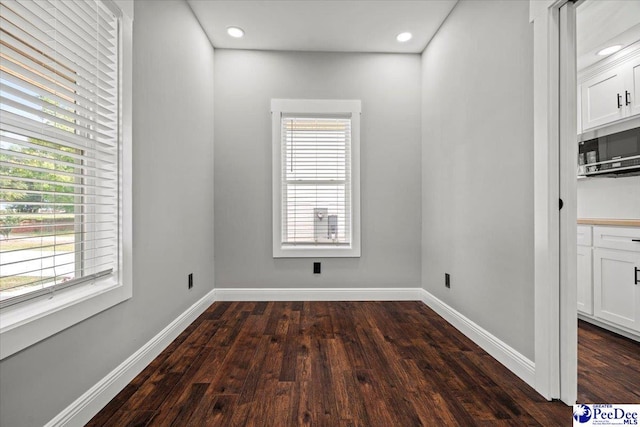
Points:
447	280
316	268
190	280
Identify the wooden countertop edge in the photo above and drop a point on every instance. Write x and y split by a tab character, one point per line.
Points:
605	221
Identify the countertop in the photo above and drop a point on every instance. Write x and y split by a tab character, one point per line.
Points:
608	221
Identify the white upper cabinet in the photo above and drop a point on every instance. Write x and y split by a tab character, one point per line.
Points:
633	95
602	99
610	92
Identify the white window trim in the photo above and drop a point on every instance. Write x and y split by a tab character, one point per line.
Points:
315	106
26	323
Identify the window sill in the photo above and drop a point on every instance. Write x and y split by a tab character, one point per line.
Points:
312	251
32	321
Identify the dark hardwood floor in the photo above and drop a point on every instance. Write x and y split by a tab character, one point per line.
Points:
608	366
327	364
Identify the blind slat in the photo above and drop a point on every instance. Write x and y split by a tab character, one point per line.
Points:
40	115
13	156
60	98
65	36
14	123
31	53
52	149
70	118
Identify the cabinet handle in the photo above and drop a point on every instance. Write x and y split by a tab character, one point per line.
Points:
619	100
627	101
635	240
636	271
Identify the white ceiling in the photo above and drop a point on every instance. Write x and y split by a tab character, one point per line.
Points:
600	24
330	25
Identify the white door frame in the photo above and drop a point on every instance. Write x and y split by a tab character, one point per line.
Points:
554	177
568	214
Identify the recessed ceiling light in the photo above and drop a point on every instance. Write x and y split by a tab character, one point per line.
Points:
236	32
404	37
609	50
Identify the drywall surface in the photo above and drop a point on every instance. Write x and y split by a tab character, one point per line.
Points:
477	168
606	197
172	223
389	88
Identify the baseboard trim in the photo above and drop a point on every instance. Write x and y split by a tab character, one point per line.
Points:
609	327
498	349
97	397
312	294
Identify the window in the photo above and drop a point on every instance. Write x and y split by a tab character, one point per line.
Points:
62	158
316	185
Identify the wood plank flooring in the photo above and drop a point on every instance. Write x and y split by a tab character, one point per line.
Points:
608	366
326	364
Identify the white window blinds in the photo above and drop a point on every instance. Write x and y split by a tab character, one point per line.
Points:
316	177
59	140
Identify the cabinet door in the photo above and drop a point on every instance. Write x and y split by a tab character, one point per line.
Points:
633	87
585	285
603	99
616	296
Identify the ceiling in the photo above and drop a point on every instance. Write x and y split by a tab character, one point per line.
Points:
600	24
330	26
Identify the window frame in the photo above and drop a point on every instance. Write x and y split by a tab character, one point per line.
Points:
28	322
280	107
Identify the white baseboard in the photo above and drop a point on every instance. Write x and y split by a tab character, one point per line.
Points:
498	349
311	294
609	327
97	397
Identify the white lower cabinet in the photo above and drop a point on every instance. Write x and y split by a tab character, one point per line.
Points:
616	288
609	276
585	288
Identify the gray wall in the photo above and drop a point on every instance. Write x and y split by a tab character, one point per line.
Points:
609	197
172	224
477	168
389	87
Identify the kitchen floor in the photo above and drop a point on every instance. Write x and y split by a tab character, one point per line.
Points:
608	366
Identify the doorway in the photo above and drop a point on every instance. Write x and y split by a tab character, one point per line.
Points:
608	203
555	151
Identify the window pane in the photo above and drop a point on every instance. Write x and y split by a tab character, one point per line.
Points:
316	180
59	151
317	214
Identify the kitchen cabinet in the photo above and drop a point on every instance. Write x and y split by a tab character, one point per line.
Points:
609	276
634	86
610	92
616	294
602	99
585	288
584	277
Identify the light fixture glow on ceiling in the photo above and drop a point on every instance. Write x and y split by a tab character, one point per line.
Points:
609	50
404	37
235	32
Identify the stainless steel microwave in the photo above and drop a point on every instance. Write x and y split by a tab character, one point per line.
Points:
617	153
